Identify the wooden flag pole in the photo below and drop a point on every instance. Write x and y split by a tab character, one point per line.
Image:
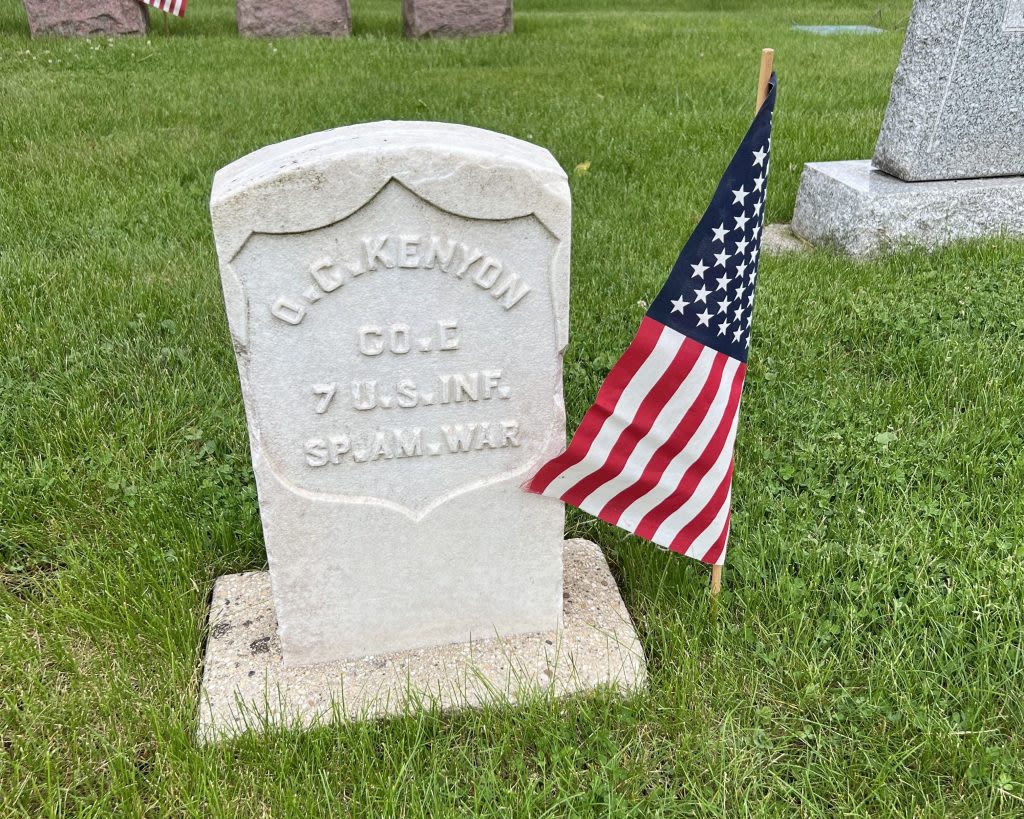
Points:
767	59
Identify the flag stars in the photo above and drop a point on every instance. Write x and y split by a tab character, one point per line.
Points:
713	298
678	305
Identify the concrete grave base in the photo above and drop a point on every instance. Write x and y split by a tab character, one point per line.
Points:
862	211
246	685
779	238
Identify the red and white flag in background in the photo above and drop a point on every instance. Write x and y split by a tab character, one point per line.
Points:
175	7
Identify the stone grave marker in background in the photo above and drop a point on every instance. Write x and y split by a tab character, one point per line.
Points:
291	18
948	163
957	104
86	18
456	18
397	294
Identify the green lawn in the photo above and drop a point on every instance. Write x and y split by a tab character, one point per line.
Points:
866	657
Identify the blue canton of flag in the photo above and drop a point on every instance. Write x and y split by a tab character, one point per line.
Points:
654	454
709	296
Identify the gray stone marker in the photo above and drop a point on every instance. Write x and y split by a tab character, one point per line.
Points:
397	294
293	18
863	211
86	18
948	164
456	18
957	104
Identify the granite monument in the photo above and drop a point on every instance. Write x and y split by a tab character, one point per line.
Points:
948	163
293	18
86	18
456	18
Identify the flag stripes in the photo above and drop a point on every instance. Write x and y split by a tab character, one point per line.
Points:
654	454
175	7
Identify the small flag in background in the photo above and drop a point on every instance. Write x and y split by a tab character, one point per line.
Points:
654	454
175	7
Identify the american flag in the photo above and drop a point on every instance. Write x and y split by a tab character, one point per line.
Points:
654	454
175	7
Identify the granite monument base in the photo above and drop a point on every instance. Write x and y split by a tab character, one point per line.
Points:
857	209
247	687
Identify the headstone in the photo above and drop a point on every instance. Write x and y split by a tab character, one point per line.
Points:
398	298
948	164
456	18
957	104
292	18
397	294
86	18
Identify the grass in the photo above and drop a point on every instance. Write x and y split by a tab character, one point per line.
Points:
866	658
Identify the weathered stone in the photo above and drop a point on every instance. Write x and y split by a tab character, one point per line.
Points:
247	685
293	18
859	210
397	294
86	18
777	239
456	18
957	104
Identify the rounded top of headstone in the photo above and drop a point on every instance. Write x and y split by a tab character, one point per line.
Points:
458	167
386	136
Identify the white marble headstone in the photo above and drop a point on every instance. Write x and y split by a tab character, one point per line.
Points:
397	294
